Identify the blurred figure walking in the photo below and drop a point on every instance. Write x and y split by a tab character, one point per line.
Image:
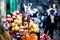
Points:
50	23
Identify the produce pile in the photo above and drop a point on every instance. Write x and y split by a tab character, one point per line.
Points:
30	37
15	21
44	36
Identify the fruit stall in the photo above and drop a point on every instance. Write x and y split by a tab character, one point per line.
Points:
23	27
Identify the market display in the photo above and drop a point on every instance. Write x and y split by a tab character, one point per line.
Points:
44	36
16	22
34	26
18	31
30	37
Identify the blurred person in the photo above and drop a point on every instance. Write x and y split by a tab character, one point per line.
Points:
35	14
44	23
36	18
50	24
55	8
49	8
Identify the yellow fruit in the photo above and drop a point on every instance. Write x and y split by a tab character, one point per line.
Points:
17	28
13	24
31	24
16	21
13	29
35	26
19	22
19	17
35	30
32	29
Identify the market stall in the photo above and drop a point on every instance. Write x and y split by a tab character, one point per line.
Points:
23	30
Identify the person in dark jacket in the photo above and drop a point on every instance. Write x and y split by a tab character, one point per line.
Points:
35	14
50	24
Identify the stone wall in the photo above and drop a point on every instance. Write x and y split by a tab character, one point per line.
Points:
2	9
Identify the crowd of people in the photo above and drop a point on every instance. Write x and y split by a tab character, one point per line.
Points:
51	22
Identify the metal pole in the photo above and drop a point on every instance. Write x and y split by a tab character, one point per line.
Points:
28	24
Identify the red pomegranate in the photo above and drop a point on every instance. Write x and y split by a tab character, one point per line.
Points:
8	16
14	17
17	12
14	14
9	20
